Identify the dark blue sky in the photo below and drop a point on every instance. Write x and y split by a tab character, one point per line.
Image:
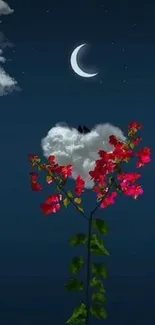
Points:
34	250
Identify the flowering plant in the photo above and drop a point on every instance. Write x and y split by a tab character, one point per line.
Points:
109	181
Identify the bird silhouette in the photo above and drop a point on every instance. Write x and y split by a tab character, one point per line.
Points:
80	130
83	129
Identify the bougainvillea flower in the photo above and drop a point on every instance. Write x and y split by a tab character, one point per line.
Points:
66	171
34	160
33	157
55	198
131	177
133	190
34	176
108	200
137	141
144	156
133	128
34	184
48	208
79	187
135	125
51	159
52	204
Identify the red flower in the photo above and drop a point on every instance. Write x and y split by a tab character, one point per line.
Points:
55	198
48	209
34	160
66	171
136	141
131	190
144	156
135	125
51	204
80	183
51	159
34	176
131	177
34	184
133	128
110	199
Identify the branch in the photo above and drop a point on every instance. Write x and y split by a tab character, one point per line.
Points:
70	199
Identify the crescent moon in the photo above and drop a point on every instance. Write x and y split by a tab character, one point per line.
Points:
75	66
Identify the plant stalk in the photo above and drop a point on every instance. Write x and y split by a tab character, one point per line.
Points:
88	270
88	264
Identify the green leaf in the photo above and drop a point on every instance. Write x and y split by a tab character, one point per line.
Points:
78	239
76	264
98	312
100	226
78	200
58	188
80	209
66	202
70	195
40	168
99	270
97	246
111	180
74	285
79	316
100	198
63	182
49	179
132	145
96	283
60	181
98	297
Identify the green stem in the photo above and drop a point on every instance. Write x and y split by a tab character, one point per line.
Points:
88	265
88	270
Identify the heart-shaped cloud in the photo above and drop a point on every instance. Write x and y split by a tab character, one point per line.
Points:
81	150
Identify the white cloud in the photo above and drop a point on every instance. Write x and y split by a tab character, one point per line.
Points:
2	59
5	9
71	147
7	83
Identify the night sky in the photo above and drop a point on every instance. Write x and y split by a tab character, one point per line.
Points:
34	250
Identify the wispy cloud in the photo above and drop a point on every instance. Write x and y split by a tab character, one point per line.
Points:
7	83
5	9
